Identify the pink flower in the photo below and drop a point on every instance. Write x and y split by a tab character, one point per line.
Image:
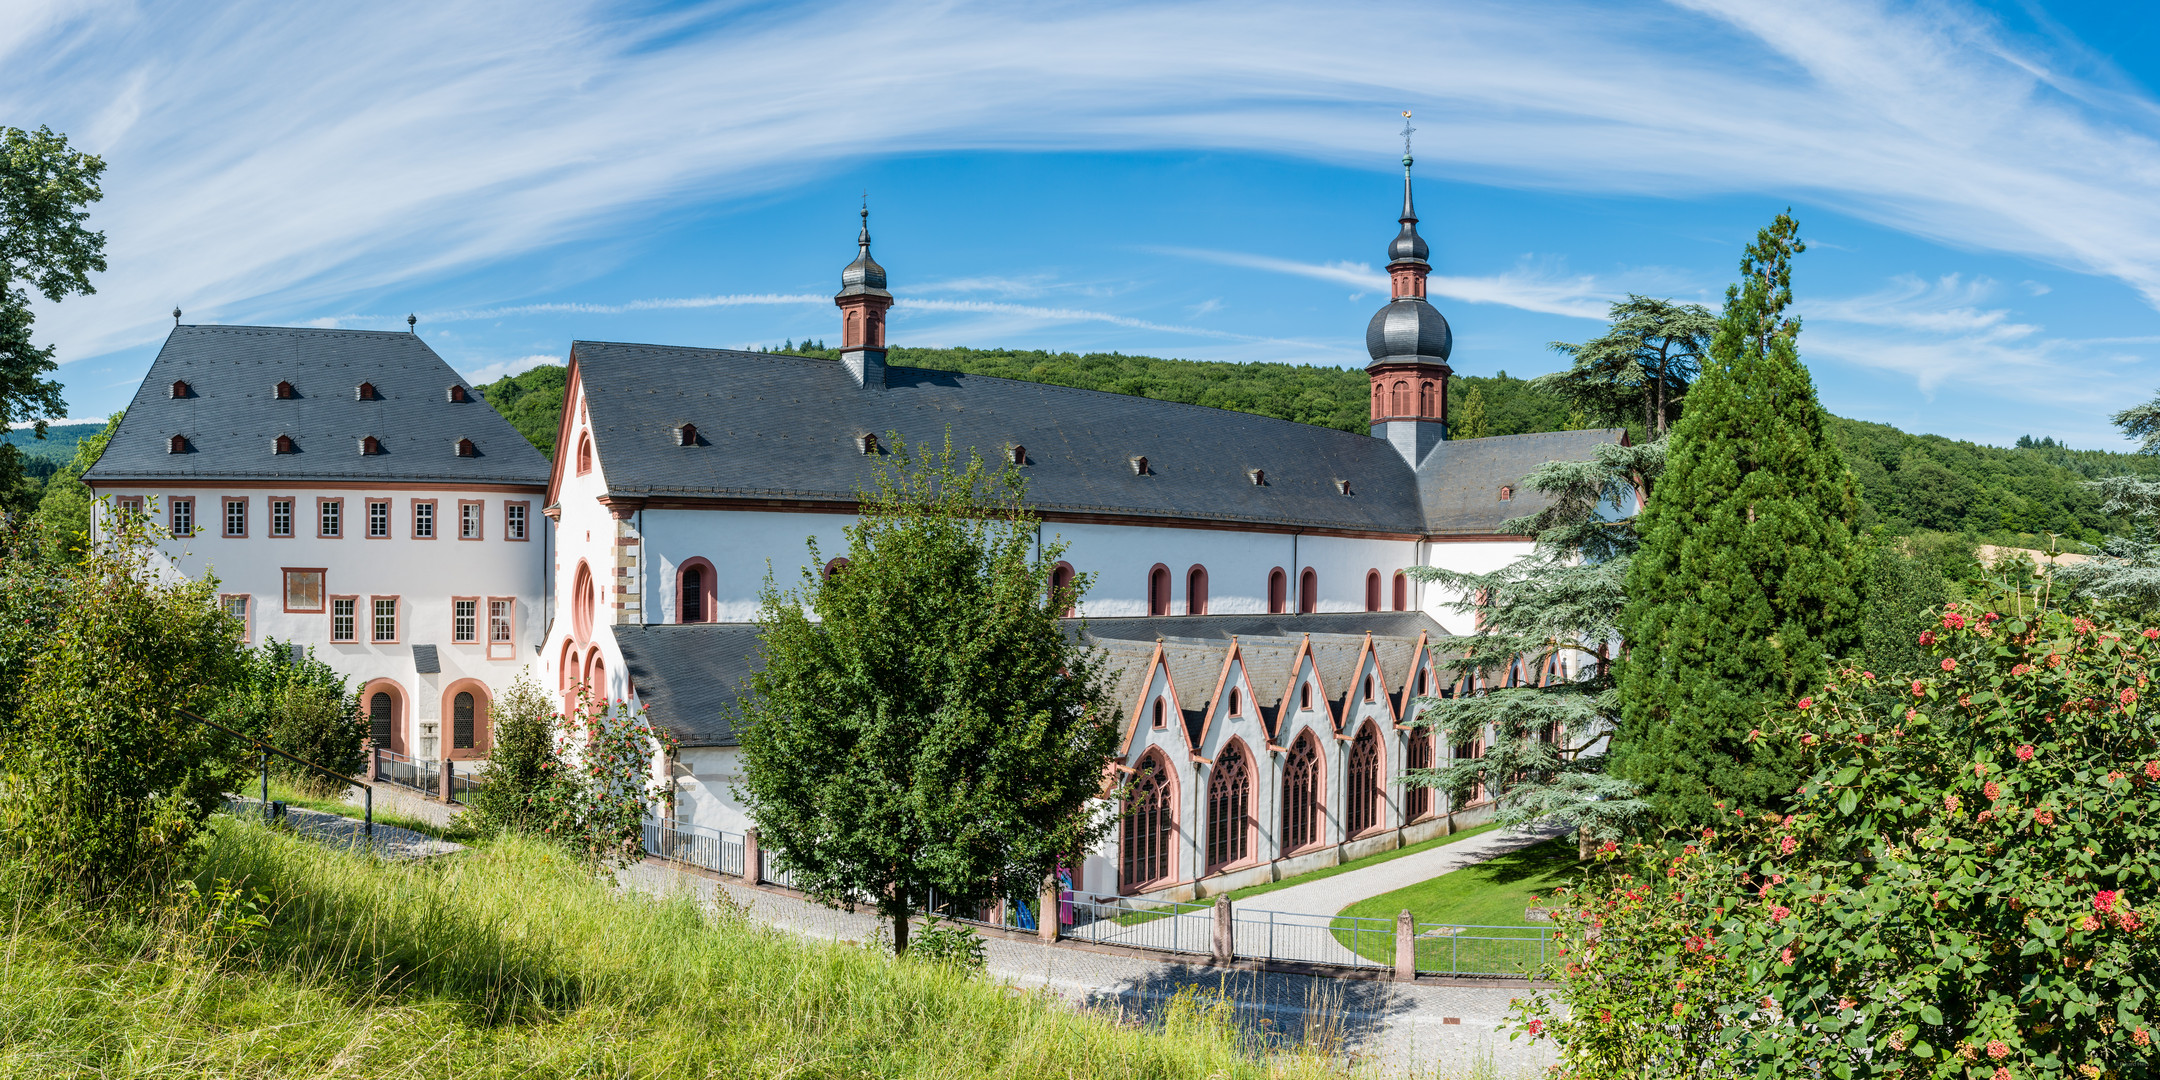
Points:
2152	634
1867	674
1780	913
1991	790
1787	846
2127	696
1808	702
2127	921
1998	1049
2089	924
1918	688
1950	803
2104	900
1754	734
1953	621
1927	637
1949	664
2001	1073
2152	770
1911	715
1536	1028
2025	752
1785	957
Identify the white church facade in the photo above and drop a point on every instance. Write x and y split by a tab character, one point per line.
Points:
1249	573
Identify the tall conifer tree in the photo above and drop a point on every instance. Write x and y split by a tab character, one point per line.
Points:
1743	588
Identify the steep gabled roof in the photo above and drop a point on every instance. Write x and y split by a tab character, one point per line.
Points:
231	416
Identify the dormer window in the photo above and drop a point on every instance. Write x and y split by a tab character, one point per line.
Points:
1259	477
868	442
686	435
458	394
1507	491
285	391
178	445
1342	486
465	448
370	446
180	388
366	392
1139	466
1016	454
284	445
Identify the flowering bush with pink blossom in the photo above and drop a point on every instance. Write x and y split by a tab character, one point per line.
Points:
1966	885
597	785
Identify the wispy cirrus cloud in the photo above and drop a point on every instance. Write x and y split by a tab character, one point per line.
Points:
1576	296
1942	332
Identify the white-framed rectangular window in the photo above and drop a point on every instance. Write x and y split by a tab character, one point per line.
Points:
182	515
281	517
378	519
385	623
501	610
341	618
465	619
237	606
514	520
423	519
469	512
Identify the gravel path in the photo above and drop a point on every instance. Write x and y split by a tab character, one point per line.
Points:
1420	1029
390	842
1330	895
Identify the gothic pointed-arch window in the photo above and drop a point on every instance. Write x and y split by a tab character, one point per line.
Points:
1149	827
1162	714
1368	688
582	603
1229	816
1301	795
1196	591
1372	590
1308	593
1417	798
1158	590
461	721
1402	591
1421	682
1061	580
1361	797
379	719
1304	695
1236	701
1278	591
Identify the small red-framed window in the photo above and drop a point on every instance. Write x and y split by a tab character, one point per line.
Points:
1372	590
285	391
465	620
181	389
696	592
385	622
178	444
1278	592
835	567
180	515
240	606
1061	579
370	446
366	392
584	454
472	516
1162	714
517	521
329	518
234	515
345	619
1402	591
378	519
423	519
465	448
1308	593
284	445
1158	590
128	504
1196	592
282	509
304	589
458	394
502	627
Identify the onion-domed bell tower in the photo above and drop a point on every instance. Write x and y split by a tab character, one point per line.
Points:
1409	342
863	302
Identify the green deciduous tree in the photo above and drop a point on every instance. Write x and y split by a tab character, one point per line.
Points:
64	508
1640	368
1561	603
520	762
1466	420
45	187
1743	588
301	706
922	719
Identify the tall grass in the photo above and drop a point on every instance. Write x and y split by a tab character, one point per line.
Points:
511	960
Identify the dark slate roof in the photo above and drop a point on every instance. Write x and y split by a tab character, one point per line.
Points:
787	427
232	417
425	661
689	677
1459	482
1223	627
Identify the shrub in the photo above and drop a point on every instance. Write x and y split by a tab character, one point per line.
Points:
941	942
524	722
1966	886
301	706
102	781
598	784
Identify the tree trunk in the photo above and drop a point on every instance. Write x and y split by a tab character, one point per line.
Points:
1583	849
900	932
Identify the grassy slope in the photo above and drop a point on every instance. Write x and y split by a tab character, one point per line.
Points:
509	961
1493	893
1907	482
1249	891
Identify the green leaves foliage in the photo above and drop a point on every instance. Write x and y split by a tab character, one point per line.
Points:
45	189
922	719
302	707
1743	588
1640	369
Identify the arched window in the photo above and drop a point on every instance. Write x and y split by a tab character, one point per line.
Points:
1229	813
1468	751
1417	798
1372	590
1426	405
1421	682
1402	591
1402	398
461	721
1161	714
1308	592
1236	701
584	454
1061	581
379	719
835	567
1196	591
1158	590
1301	795
693	594
852	335
1361	800
1304	695
582	603
1144	847
1278	591
1368	688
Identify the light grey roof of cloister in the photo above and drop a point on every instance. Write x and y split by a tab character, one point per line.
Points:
232	416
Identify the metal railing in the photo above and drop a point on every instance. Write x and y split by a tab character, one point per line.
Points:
1312	939
719	852
419	774
1166	927
266	751
1447	949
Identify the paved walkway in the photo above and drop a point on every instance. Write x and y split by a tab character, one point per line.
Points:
1417	1029
1330	895
389	841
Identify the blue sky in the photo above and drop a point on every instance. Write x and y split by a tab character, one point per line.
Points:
1980	183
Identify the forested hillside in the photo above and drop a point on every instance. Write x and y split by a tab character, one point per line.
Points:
43	457
1907	483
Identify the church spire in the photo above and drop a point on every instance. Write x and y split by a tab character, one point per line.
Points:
1407	265
863	301
1409	341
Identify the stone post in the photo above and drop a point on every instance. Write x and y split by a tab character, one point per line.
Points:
1046	915
1225	931
753	860
1405	948
449	773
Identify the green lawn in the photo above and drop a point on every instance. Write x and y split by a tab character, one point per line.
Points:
1239	895
1490	894
284	791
